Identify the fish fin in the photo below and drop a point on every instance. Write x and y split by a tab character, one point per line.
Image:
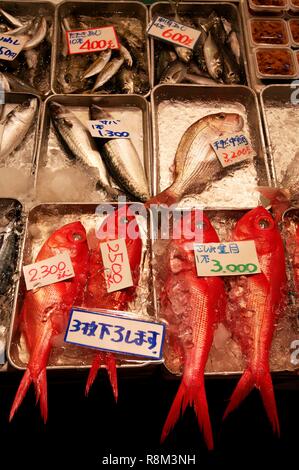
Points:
21	392
280	200
195	396
112	373
42	393
97	360
166	197
243	388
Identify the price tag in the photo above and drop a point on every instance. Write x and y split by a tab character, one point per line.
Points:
171	31
233	148
116	263
115	332
11	46
226	259
92	40
108	129
48	271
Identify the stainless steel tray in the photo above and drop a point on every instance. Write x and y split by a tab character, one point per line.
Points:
225	357
53	157
92	9
175	108
41	222
199	9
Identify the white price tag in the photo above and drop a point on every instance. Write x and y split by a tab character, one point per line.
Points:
115	332
11	46
116	263
48	271
108	129
169	30
92	40
226	259
233	148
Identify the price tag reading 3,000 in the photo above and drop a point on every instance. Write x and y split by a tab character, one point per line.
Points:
116	263
226	259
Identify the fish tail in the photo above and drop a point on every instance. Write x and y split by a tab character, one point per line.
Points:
262	381
112	373
166	197
195	396
40	384
96	363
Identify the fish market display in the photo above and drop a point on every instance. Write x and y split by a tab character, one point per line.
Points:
123	161
191	305
122	70
46	309
30	70
117	225
196	164
254	306
216	57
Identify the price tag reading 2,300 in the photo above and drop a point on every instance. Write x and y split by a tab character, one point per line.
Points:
116	263
233	148
169	30
92	40
226	259
48	271
108	129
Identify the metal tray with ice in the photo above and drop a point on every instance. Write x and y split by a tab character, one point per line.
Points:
175	108
41	222
61	175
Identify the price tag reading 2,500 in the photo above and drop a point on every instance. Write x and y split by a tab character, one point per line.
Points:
226	259
116	263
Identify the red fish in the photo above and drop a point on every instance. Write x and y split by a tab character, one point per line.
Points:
46	310
119	224
253	319
198	303
296	262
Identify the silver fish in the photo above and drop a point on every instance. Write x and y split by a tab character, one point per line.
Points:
4	88
16	84
234	44
175	73
126	79
183	53
126	55
11	19
108	72
166	56
16	125
227	25
38	33
200	80
80	144
8	255
123	161
196	164
231	69
97	66
213	57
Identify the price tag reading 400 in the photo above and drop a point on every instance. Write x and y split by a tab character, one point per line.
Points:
92	40
226	259
116	263
171	31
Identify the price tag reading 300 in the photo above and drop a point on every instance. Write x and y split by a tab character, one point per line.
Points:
226	259
116	263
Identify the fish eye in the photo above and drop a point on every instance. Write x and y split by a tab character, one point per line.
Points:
265	223
77	237
221	116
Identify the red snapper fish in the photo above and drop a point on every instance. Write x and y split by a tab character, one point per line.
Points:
256	309
195	303
121	223
45	311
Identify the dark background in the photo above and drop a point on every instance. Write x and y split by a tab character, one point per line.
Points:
83	430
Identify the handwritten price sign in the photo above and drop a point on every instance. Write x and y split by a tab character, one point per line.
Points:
171	31
232	149
226	259
11	46
51	270
108	129
117	266
92	40
115	332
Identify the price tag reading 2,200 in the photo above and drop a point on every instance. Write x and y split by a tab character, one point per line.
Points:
116	263
233	148
108	129
116	332
169	30
226	259
92	40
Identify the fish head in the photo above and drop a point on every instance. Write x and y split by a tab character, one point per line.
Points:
258	225
226	122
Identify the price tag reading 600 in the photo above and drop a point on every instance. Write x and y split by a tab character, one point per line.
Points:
116	263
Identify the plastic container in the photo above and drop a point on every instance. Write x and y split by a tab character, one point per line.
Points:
268	5
266	31
294	31
273	63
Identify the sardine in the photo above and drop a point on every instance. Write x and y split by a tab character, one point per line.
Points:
10	18
38	34
126	79
231	72
227	25
16	125
4	88
199	80
108	72
126	55
166	56
97	66
234	44
16	84
196	164
123	161
80	144
213	57
175	73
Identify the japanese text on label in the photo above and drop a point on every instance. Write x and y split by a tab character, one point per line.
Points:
108	129
11	46
171	31
232	149
92	40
